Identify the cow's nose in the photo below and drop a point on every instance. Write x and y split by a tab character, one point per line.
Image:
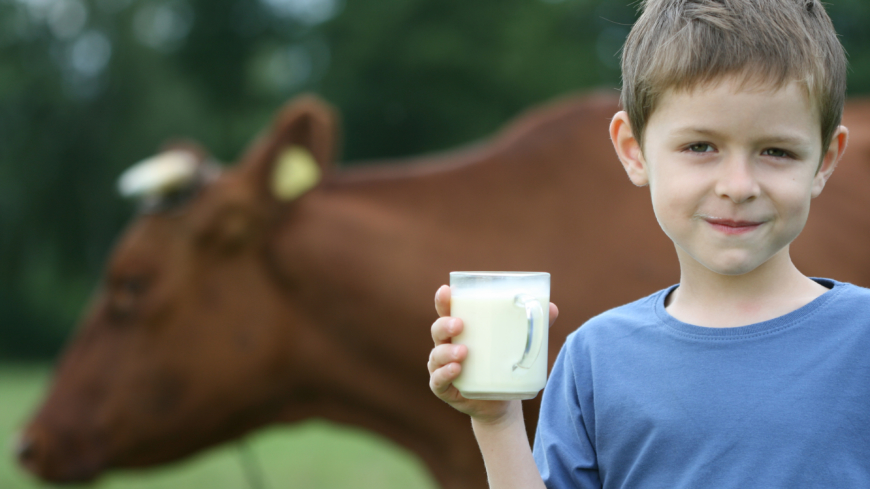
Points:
24	448
40	452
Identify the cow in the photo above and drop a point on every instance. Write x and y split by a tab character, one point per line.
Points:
283	288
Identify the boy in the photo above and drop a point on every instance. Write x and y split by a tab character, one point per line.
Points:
747	373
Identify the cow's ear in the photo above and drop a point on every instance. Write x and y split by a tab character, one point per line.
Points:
297	151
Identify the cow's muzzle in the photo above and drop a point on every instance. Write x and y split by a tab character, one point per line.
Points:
56	457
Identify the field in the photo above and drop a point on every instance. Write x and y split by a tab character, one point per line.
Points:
314	455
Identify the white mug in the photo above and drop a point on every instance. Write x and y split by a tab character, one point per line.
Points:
506	318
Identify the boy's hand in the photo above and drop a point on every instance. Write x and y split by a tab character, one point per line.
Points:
445	363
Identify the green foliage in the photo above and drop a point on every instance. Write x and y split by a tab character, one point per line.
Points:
88	87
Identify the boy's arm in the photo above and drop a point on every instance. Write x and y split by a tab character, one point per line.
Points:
498	425
506	452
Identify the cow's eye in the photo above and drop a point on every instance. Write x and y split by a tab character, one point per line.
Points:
125	295
134	286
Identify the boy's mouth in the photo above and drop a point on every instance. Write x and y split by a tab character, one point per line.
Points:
729	226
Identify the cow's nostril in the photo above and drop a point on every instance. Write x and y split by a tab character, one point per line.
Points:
37	452
24	448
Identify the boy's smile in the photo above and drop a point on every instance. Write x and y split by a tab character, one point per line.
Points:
731	172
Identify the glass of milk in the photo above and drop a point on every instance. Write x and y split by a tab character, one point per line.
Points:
506	317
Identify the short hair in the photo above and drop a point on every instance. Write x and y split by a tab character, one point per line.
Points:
683	44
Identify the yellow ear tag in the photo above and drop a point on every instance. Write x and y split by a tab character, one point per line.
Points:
295	173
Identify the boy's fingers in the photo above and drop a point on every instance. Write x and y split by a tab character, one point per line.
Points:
444	354
444	329
442	300
554	313
442	379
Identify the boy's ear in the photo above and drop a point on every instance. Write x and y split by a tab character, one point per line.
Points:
628	149
830	159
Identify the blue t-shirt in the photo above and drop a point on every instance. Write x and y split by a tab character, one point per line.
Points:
638	399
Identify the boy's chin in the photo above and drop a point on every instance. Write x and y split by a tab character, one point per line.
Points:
731	266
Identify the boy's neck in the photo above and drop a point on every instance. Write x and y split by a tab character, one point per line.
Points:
706	298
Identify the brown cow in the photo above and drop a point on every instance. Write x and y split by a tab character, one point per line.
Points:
232	308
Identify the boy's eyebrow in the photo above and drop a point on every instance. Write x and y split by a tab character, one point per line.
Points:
768	139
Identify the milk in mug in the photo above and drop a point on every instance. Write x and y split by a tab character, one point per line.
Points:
506	317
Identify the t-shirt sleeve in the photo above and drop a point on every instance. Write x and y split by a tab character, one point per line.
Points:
563	449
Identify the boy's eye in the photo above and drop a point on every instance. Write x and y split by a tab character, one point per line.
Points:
700	148
778	153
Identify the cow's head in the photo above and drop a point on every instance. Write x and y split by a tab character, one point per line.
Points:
185	343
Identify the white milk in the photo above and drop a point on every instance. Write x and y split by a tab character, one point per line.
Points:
496	333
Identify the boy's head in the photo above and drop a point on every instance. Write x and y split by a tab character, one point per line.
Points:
685	44
732	112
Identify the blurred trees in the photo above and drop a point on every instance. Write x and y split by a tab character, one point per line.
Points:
87	87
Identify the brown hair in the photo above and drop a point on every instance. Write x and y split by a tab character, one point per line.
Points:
681	44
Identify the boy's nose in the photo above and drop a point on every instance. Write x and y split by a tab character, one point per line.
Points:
736	180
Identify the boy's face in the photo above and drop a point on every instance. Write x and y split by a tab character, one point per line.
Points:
731	172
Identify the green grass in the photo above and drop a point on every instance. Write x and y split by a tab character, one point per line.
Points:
312	455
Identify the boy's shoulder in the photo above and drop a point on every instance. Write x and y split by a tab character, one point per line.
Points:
844	304
844	299
624	319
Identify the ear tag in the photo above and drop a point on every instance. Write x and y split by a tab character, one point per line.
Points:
295	173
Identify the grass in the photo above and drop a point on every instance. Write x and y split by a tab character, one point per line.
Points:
312	455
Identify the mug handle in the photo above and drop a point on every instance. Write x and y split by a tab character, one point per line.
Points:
535	318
